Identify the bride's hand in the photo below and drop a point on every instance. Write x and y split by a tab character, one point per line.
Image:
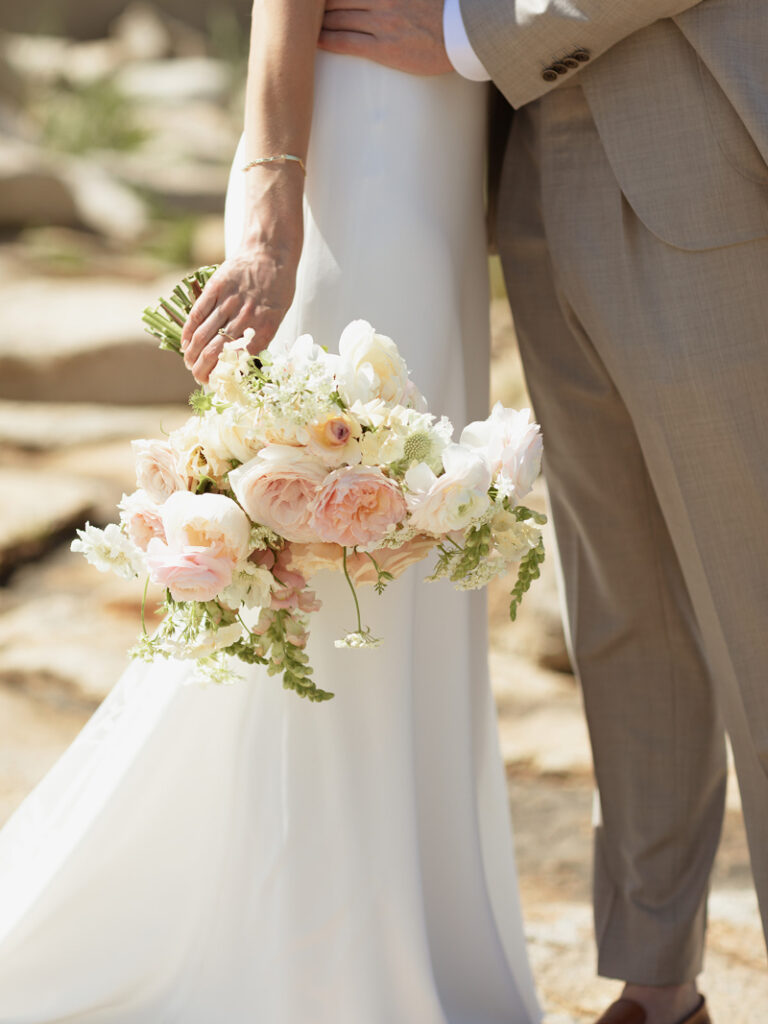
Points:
252	289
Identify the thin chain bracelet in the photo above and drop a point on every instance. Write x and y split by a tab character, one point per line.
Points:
274	159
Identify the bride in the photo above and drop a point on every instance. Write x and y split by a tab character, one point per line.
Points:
203	855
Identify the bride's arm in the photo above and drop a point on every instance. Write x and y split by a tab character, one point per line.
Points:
254	287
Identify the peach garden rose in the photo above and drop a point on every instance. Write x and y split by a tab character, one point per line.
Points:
277	487
356	506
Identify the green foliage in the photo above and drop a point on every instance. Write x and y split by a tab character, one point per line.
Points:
291	661
528	571
166	320
382	576
522	514
171	237
78	118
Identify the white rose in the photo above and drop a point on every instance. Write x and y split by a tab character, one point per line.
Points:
210	521
369	366
226	437
440	504
513	447
156	469
299	356
191	461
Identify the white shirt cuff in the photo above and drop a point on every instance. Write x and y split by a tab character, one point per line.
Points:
458	46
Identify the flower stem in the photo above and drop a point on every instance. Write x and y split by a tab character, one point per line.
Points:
352	588
143	606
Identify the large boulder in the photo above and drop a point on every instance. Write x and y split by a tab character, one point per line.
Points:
38	187
82	341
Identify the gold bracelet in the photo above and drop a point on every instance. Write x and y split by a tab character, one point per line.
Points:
274	159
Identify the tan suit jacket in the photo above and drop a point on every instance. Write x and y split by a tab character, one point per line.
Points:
633	230
678	90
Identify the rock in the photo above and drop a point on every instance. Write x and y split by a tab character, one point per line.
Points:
172	185
88	344
36	511
108	468
549	741
32	190
141	33
43	426
12	88
174	81
85	19
34	735
208	241
95	60
197	132
91	620
102	203
39	188
36	58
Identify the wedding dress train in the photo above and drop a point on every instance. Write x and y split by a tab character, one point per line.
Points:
207	855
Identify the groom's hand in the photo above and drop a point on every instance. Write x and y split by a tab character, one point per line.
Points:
403	34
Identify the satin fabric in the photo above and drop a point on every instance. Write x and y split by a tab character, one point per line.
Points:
236	854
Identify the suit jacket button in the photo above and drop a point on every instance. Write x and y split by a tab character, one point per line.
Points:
582	56
570	62
549	75
560	67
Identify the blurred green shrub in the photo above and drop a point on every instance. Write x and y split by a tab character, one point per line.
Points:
82	118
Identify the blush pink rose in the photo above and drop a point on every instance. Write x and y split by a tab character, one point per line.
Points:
190	573
156	471
356	505
142	517
277	487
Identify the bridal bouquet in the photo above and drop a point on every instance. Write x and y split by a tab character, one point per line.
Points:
297	461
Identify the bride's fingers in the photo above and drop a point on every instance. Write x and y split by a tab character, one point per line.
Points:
205	333
201	369
201	310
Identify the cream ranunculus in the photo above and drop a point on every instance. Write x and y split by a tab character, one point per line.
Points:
334	439
276	488
369	366
210	521
513	447
440	504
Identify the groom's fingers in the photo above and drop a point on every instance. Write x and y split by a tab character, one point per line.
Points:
350	21
350	5
350	44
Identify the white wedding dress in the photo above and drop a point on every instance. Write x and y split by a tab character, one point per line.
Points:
231	855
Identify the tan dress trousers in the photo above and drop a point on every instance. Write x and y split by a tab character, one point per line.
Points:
648	369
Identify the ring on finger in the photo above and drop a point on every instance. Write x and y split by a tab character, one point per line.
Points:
224	334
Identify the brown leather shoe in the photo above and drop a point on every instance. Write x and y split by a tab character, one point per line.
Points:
627	1011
